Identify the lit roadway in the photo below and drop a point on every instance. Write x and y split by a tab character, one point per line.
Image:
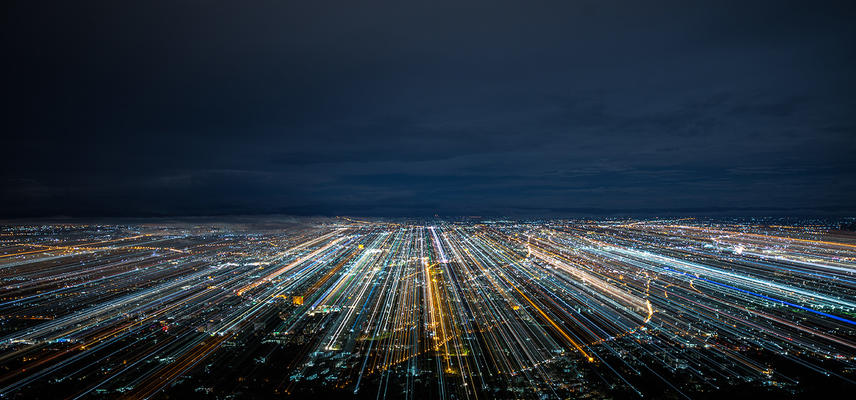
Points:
426	309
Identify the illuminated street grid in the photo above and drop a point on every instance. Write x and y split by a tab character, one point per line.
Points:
464	310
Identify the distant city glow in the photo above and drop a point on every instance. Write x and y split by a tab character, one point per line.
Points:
413	309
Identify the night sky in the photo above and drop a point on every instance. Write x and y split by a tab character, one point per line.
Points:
519	108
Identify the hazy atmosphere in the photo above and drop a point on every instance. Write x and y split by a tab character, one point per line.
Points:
422	108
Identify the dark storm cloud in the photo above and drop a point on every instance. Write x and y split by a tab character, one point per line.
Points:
209	107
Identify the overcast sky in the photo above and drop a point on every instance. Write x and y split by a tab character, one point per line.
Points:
424	107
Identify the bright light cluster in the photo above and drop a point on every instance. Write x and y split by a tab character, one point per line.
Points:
490	309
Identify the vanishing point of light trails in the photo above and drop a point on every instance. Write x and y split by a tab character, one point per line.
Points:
426	309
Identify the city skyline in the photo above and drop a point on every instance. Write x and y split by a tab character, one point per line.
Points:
444	200
344	307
